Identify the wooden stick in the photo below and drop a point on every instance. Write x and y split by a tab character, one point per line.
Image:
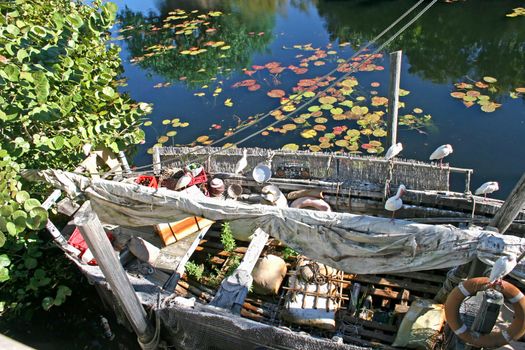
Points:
393	97
93	232
511	208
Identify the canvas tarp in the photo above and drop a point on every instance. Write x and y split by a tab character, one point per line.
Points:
353	243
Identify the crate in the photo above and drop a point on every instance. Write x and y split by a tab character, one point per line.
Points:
199	179
147	180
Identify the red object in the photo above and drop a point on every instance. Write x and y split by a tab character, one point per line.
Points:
77	241
199	179
147	180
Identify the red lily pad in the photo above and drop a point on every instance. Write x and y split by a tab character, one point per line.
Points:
276	93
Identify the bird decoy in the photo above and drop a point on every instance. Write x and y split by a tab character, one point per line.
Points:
393	151
440	153
501	268
242	163
486	188
183	181
395	203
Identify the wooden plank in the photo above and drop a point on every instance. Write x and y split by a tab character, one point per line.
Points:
95	236
393	97
413	286
511	208
176	248
226	297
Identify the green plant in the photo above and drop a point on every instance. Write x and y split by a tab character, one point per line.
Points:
289	253
227	239
58	92
194	270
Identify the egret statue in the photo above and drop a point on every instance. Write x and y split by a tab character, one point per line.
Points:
487	187
394	150
183	181
242	163
501	268
395	203
440	153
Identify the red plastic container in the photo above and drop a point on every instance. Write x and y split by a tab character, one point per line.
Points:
147	180
77	241
199	179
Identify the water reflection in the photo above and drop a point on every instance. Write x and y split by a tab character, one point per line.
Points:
156	42
450	42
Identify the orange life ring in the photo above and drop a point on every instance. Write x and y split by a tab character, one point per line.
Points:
495	339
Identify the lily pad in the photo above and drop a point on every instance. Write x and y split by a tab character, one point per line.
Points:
327	100
308	134
490	80
289	127
276	93
291	147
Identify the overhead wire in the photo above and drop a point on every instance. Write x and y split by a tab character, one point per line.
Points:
299	95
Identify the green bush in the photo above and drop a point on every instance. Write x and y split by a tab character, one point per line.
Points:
58	91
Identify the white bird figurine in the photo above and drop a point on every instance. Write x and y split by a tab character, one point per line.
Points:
395	203
487	187
183	181
440	153
501	268
242	163
393	151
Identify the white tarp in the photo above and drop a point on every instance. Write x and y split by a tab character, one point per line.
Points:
353	243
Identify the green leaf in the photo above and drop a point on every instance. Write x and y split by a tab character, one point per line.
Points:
108	91
11	72
4	274
30	263
12	29
31	203
21	54
4	260
22	196
11	228
47	303
62	293
41	86
56	143
2	242
74	20
37	218
39	30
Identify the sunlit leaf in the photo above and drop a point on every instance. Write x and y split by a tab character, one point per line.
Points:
490	80
290	147
308	134
457	94
228	102
202	139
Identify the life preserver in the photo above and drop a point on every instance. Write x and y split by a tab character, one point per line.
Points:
495	339
311	202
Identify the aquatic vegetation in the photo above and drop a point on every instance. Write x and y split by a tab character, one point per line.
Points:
477	93
518	11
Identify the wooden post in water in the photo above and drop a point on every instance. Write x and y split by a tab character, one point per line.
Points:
393	97
511	208
93	232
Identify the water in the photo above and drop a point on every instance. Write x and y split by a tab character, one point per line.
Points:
458	42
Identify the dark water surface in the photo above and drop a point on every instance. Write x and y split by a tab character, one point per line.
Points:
452	43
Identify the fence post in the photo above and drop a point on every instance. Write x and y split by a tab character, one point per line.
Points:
95	236
511	208
393	97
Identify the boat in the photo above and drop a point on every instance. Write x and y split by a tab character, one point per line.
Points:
346	277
